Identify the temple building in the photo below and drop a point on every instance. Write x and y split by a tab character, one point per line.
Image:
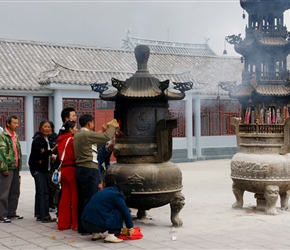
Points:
38	79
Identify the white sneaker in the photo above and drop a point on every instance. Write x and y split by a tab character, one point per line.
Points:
112	239
104	234
96	236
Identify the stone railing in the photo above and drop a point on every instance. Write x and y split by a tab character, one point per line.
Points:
262	128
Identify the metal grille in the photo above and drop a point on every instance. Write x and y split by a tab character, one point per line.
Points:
99	109
40	110
216	115
81	106
177	111
13	105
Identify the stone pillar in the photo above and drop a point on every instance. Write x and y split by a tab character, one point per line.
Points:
29	125
188	124
197	126
57	106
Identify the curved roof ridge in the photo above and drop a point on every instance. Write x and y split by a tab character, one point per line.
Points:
59	45
168	46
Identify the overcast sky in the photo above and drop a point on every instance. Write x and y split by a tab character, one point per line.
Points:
104	23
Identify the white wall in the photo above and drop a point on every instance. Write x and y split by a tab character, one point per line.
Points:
207	142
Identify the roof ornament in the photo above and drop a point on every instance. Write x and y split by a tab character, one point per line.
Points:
164	85
118	84
234	39
99	87
183	86
244	15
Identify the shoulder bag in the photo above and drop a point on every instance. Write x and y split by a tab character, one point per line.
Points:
56	176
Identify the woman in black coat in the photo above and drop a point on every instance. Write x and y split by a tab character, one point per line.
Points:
39	161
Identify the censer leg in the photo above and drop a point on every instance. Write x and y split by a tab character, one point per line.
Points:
271	194
176	204
284	197
239	193
141	214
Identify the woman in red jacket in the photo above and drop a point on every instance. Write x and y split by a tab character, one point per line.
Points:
67	211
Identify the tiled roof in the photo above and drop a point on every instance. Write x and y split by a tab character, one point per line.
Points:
29	66
241	91
168	47
263	90
267	40
273	90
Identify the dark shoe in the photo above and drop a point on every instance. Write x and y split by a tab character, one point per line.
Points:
5	220
38	219
16	217
83	233
48	220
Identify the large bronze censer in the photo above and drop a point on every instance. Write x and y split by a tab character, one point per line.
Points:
143	153
263	164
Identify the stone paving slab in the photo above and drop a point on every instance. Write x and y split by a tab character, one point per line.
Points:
209	220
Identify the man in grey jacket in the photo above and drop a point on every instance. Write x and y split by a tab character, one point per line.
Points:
86	143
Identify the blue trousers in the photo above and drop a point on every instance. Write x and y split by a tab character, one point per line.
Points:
41	205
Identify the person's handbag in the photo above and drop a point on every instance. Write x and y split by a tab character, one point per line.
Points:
56	176
136	234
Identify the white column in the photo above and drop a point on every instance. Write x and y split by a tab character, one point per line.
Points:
51	108
197	126
29	123
188	124
57	108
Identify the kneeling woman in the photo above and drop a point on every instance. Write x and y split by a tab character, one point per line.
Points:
104	214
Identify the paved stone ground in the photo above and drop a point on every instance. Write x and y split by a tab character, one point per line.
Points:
209	220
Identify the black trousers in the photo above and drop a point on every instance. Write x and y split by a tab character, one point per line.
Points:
87	186
92	228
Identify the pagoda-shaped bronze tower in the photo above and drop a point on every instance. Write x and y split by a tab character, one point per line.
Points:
263	164
144	151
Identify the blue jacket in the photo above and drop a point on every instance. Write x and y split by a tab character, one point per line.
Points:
107	209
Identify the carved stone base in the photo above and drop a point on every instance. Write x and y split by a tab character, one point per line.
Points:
268	176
